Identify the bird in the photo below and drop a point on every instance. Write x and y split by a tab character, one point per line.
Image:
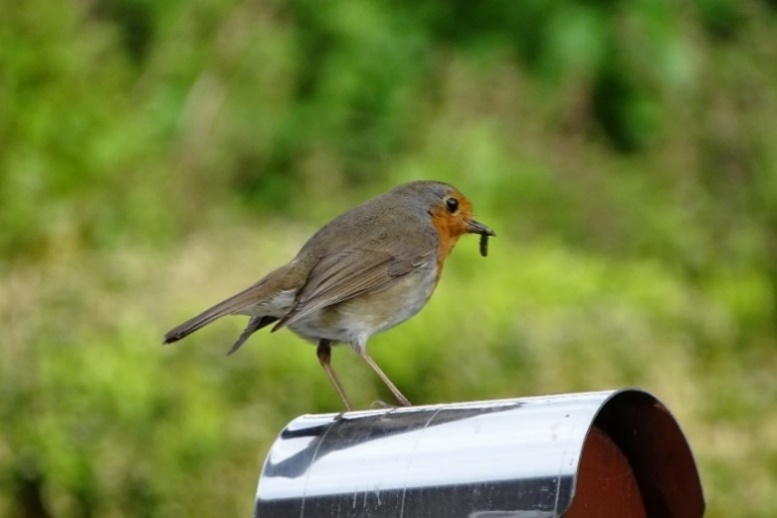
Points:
366	271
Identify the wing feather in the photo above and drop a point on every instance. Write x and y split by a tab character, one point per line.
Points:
340	277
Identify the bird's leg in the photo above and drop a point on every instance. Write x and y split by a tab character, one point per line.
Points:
394	390
324	352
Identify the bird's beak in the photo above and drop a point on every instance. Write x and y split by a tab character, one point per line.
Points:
475	227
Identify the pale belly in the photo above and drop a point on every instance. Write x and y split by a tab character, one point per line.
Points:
355	320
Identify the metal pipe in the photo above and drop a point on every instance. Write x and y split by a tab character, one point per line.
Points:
514	458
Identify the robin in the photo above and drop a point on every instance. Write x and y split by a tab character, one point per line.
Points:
364	272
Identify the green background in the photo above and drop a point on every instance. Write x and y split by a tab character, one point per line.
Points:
156	157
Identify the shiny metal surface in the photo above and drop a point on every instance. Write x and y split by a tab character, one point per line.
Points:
513	458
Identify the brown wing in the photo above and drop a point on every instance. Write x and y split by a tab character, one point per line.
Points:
343	276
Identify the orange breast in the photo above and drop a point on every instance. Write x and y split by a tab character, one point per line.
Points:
448	231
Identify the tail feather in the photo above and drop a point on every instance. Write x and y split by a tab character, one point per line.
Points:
254	325
192	325
234	304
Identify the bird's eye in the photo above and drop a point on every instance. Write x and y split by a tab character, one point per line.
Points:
452	204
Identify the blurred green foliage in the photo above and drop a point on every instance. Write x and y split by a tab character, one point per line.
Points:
158	156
